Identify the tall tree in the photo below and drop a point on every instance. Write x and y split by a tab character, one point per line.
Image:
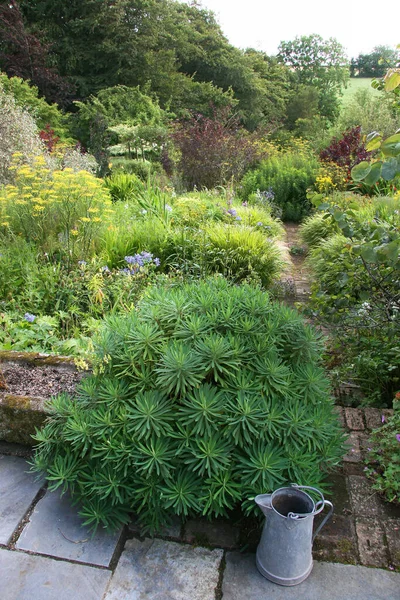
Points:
374	64
320	63
24	55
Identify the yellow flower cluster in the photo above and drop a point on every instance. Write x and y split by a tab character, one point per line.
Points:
43	204
331	177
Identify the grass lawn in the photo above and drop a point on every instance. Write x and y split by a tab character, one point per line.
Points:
357	83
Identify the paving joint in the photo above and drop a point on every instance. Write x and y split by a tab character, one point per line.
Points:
56	558
26	518
221	571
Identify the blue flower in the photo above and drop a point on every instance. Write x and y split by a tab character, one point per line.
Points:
105	269
82	262
157	262
259	224
28	317
168	207
232	212
238	218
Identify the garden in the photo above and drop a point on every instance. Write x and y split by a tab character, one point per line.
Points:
142	233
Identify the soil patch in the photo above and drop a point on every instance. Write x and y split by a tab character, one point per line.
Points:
40	382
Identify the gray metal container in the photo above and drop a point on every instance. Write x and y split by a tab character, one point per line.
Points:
284	552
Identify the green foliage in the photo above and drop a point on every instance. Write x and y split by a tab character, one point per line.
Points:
287	176
321	64
27	98
44	334
122	186
383	460
365	109
375	63
236	252
356	290
317	228
387	164
117	106
59	211
203	397
76	295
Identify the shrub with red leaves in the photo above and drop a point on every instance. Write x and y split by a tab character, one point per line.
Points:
49	138
347	151
213	150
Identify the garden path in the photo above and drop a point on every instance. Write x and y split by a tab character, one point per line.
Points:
295	280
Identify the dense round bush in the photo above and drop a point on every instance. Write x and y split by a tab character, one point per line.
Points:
286	177
203	397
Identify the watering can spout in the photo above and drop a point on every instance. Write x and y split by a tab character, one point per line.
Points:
264	501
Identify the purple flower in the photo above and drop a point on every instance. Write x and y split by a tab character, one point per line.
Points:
232	212
238	218
168	208
245	203
105	269
398	437
383	419
157	262
28	317
259	224
83	263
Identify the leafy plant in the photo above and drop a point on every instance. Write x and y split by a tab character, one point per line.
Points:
356	290
285	176
317	228
347	151
204	396
213	150
59	210
383	460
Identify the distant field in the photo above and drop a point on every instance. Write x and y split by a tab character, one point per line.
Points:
357	83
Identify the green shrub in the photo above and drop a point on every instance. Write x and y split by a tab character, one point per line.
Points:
143	169
286	176
383	459
316	228
203	397
122	186
85	291
356	293
237	252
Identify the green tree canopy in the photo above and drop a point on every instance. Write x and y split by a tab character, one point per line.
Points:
319	63
171	48
374	64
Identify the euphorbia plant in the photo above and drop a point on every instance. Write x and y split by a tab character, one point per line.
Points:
203	397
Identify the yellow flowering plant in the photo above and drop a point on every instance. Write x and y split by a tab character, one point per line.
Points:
57	210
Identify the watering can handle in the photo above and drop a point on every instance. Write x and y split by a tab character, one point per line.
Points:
320	526
319	506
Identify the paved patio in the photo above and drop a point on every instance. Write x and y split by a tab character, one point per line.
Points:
46	554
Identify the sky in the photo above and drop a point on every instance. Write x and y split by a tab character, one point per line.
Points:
263	24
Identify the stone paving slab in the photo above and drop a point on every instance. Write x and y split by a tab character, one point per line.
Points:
328	581
55	528
18	489
371	543
26	577
159	570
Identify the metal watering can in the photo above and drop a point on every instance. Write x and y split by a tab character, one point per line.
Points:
284	552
